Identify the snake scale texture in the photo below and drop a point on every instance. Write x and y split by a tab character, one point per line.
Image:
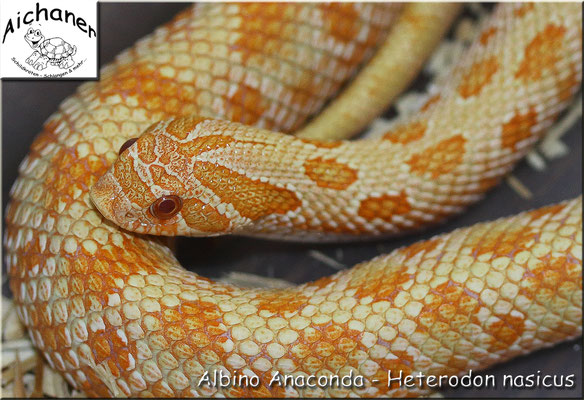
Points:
118	316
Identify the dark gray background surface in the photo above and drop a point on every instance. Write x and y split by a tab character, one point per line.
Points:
27	104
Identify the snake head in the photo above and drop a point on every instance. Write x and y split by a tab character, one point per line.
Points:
154	187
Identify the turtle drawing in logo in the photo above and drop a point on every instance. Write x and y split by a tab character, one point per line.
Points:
54	51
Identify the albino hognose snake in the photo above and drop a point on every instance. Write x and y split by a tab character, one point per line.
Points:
102	304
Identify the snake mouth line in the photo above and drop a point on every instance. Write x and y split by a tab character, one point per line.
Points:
107	196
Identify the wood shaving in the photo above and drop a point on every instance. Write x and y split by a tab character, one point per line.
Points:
551	146
18	382
246	280
39	375
535	160
53	383
26	365
522	190
9	355
554	149
329	261
16	343
12	328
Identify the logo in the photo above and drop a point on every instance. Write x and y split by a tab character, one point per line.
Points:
54	51
48	39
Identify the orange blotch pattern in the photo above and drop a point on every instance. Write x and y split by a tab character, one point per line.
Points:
202	144
203	217
487	35
282	301
181	127
479	75
417	21
157	94
505	331
517	129
321	282
553	209
345	24
512	238
440	159
384	286
523	9
253	105
251	198
401	364
341	19
430	102
542	53
330	174
384	207
426	246
146	145
165	180
503	243
487	183
133	185
263	38
45	138
268	35
322	144
407	133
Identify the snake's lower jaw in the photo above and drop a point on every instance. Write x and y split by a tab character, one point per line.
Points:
113	206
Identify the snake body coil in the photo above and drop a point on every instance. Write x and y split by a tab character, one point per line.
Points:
116	313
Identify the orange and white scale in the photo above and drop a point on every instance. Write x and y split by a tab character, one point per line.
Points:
118	316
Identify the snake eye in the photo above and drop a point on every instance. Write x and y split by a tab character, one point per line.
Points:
166	207
127	144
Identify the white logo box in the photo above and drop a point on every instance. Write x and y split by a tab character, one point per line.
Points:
48	39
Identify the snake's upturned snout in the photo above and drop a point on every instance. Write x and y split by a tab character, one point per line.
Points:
106	198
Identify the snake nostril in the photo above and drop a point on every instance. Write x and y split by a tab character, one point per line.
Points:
166	207
127	144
